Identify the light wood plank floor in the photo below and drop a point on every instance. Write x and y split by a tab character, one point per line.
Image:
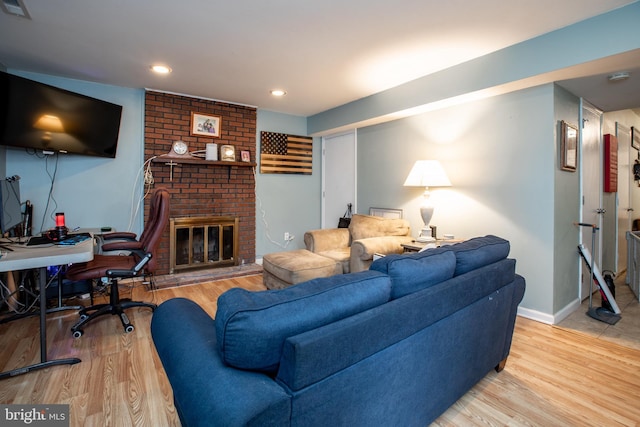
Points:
554	377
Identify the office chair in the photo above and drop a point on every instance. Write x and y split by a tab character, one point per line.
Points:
126	240
114	267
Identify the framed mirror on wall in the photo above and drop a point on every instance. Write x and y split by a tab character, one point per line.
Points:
568	147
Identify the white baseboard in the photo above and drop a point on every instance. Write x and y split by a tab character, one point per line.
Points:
550	319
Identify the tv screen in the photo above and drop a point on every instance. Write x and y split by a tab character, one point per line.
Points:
37	116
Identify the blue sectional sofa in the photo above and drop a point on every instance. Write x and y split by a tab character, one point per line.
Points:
392	346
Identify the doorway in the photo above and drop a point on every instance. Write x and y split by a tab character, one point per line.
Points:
623	203
338	176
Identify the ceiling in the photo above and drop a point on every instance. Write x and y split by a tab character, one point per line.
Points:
324	53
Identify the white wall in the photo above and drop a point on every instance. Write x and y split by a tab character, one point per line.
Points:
91	191
499	155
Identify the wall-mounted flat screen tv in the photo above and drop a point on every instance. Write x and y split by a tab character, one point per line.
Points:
40	117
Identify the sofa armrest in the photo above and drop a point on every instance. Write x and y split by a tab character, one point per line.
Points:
206	391
326	239
362	250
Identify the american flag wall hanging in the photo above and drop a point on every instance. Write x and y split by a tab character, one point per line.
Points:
282	153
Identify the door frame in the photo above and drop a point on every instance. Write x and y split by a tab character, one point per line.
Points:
595	191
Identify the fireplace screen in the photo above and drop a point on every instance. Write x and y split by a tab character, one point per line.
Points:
203	242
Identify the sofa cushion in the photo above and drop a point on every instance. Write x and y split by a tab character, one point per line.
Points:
251	327
364	226
412	272
478	252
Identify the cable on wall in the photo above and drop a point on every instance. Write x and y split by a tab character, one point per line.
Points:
50	197
263	217
147	183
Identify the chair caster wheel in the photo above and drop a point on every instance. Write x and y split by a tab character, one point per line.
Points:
129	329
77	334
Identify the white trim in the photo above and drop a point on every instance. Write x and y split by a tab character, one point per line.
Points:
535	315
548	318
199	97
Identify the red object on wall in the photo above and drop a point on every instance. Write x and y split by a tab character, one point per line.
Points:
610	163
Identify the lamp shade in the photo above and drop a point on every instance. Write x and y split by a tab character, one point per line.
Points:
49	123
427	173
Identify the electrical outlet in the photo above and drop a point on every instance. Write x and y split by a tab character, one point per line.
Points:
286	236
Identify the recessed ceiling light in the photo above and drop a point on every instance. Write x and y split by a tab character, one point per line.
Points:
15	7
160	69
278	92
616	77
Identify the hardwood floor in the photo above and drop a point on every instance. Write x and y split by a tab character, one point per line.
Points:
554	377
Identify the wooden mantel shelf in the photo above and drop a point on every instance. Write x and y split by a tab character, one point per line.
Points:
197	161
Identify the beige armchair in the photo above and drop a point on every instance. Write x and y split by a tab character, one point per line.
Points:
354	247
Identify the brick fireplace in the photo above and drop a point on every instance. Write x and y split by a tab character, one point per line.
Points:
197	189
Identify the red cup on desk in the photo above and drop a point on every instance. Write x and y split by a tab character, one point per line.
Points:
60	231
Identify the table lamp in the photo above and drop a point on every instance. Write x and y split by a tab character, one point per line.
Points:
427	173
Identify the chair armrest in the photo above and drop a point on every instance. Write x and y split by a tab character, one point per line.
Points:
362	250
365	248
123	235
122	246
326	239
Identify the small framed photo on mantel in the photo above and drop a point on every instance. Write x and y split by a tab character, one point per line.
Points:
205	125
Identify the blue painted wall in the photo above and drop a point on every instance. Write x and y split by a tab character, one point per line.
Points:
91	191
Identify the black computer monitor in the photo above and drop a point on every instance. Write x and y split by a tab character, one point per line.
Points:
10	207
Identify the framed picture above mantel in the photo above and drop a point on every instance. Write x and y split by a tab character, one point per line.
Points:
205	125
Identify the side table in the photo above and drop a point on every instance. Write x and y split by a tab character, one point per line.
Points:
415	246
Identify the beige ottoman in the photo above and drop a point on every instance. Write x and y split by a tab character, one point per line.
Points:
282	269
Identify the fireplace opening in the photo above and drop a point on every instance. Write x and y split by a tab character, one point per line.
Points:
203	242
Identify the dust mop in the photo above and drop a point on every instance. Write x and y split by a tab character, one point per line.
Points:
609	312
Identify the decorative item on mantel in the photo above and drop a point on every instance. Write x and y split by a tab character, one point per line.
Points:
211	152
228	153
427	173
282	153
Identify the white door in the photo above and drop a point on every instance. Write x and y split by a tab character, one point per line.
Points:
591	169
338	177
625	179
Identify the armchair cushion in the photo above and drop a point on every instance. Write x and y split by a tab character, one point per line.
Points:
332	243
363	226
251	327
